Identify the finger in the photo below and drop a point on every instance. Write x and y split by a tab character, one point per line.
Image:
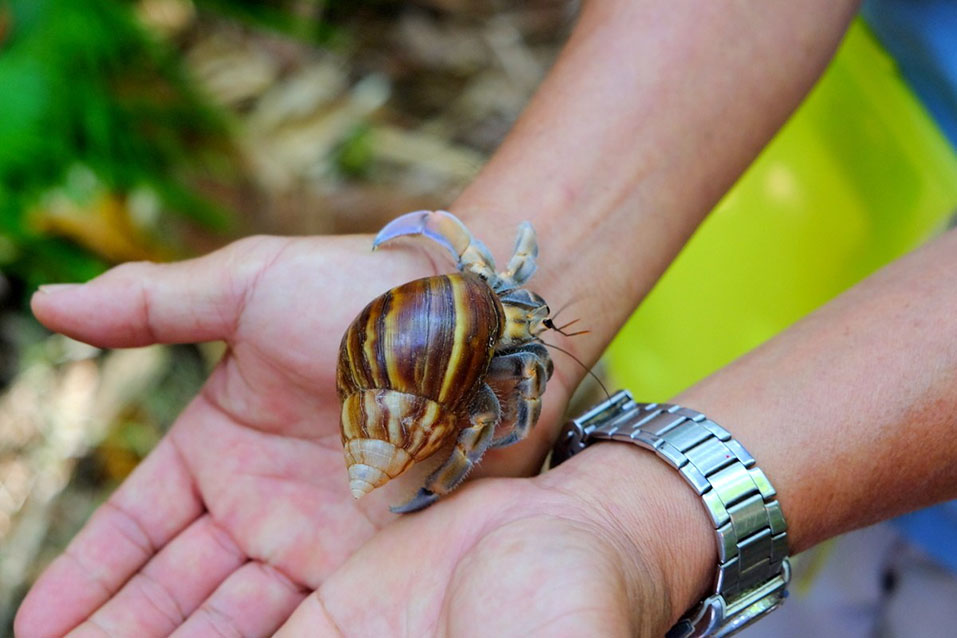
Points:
140	303
254	601
311	618
154	504
170	587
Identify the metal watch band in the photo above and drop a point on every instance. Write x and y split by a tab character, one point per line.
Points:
753	569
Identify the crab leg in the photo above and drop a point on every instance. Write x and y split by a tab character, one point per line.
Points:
529	368
522	264
446	229
469	448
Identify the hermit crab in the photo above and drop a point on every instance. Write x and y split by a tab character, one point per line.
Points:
446	361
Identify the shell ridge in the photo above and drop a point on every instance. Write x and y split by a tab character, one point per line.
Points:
423	371
380	337
459	319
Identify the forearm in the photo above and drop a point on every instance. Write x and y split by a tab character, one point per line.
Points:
853	411
649	115
850	414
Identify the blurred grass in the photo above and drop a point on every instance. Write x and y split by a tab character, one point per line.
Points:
88	92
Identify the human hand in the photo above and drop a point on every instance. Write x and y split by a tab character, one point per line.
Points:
244	506
575	552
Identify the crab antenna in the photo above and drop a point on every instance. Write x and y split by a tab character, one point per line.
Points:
573	334
572	322
550	324
563	308
583	367
561	329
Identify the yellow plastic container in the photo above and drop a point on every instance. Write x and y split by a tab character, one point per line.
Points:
859	176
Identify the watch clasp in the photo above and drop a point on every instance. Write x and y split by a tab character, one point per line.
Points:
715	618
573	437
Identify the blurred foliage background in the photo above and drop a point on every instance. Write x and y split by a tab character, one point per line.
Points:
160	129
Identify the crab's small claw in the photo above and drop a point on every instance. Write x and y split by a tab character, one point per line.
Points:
421	500
446	229
522	264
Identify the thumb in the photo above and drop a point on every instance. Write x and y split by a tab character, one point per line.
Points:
142	303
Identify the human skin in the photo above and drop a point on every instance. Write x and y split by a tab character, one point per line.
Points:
243	510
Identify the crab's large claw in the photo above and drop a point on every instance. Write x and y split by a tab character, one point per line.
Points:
446	229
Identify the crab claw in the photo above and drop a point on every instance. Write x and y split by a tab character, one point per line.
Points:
446	229
442	226
522	265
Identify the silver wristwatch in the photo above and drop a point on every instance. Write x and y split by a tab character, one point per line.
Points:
753	569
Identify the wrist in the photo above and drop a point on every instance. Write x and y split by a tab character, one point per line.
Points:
663	535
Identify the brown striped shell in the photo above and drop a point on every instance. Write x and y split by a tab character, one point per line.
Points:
408	367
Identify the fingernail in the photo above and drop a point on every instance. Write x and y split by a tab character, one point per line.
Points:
55	288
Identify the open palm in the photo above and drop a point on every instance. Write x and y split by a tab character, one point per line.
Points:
243	508
507	558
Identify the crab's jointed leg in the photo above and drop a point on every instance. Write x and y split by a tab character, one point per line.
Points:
522	264
485	414
528	368
445	228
